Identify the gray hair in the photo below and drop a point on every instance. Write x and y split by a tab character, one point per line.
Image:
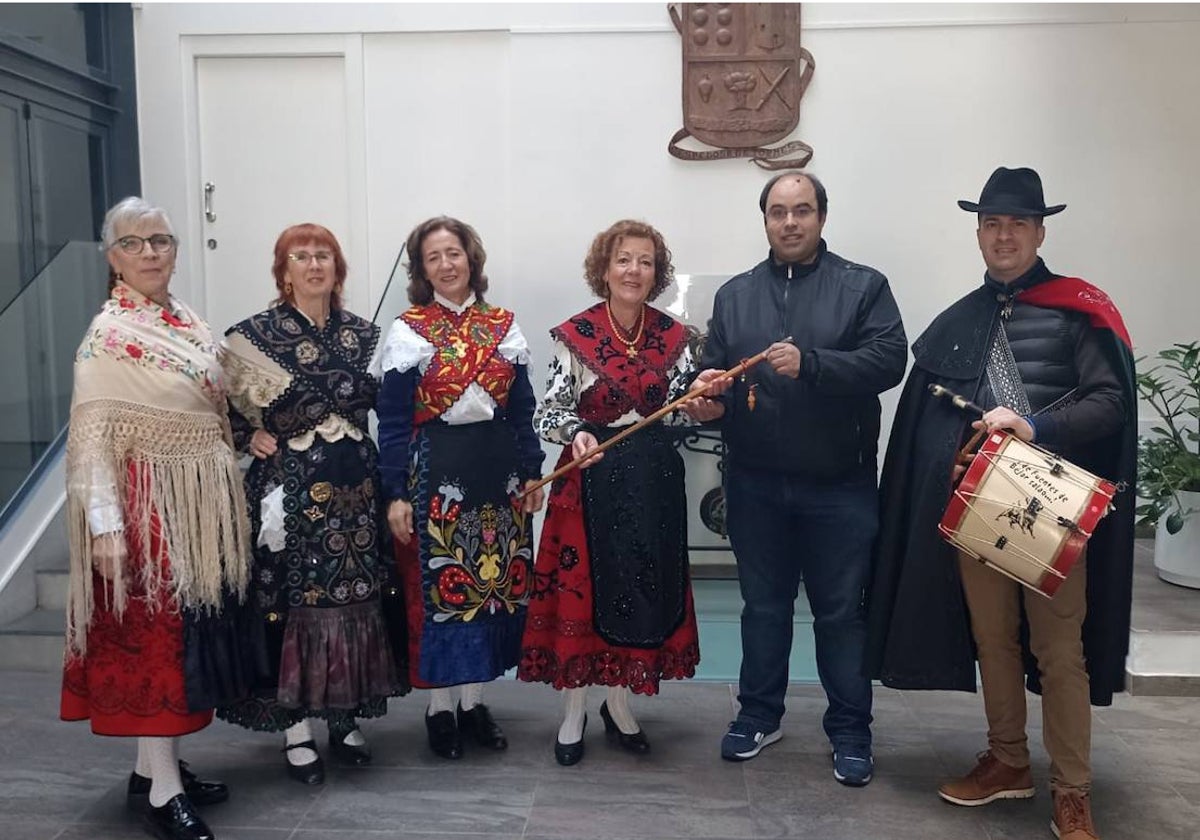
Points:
127	213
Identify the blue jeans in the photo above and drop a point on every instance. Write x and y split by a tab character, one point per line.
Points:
783	527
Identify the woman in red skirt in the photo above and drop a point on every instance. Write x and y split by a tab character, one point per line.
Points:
158	533
612	598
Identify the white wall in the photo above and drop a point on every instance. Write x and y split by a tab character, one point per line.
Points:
541	124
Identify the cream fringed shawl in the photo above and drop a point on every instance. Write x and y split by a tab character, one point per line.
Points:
148	417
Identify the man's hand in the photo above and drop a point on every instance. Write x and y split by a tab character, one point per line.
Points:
1005	418
703	410
109	553
532	502
262	444
708	378
581	444
400	520
784	357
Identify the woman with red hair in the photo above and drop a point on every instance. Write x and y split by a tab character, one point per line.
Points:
331	619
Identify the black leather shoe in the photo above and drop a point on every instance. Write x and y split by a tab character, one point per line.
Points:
349	753
199	791
635	743
443	735
176	820
568	754
479	723
312	773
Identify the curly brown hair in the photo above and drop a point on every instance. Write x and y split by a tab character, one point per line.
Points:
420	290
595	265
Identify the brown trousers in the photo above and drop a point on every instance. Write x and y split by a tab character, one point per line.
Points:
1055	631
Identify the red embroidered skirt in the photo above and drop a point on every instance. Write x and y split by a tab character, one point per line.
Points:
131	680
560	645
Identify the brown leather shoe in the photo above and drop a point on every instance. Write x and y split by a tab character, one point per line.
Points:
988	781
1072	816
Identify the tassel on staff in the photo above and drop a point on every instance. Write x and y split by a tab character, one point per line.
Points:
696	391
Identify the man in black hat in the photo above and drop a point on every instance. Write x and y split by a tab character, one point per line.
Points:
1049	359
802	432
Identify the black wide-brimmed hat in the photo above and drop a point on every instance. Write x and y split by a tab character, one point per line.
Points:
1013	192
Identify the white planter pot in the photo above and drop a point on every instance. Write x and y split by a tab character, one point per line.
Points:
1177	556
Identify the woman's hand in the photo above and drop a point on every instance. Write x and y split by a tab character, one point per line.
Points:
581	444
108	554
531	502
262	444
400	520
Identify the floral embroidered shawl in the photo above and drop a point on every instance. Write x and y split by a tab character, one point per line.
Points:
148	416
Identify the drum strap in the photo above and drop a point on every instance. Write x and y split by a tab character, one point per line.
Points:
1003	376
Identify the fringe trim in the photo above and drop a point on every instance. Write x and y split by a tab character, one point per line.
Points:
183	503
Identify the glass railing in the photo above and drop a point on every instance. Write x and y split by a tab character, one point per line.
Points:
40	329
395	294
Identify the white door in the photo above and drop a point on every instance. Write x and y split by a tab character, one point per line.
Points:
273	153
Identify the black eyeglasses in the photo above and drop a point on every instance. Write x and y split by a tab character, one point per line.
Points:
160	243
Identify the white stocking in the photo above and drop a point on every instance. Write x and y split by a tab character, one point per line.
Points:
297	734
574	714
142	767
440	701
162	754
618	707
472	695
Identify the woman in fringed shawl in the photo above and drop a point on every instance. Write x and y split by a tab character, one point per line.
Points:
331	619
456	444
612	597
159	541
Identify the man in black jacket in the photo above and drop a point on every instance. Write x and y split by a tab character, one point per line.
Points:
802	432
1049	358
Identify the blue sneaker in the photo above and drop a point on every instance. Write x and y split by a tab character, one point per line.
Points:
853	765
744	740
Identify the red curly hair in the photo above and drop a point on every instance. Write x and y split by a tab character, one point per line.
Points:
303	233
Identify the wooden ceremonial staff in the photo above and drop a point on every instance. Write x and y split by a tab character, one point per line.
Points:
732	373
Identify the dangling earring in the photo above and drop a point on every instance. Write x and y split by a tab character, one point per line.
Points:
287	287
119	277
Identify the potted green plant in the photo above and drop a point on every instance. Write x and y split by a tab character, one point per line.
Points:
1169	462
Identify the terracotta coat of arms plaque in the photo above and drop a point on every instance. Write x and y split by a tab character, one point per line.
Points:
744	73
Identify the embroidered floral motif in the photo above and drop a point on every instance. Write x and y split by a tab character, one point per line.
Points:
478	558
127	340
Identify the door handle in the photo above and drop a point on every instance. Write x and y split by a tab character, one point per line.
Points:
209	187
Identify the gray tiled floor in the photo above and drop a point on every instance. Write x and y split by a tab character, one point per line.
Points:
59	781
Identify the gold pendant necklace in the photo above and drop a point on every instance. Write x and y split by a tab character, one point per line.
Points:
630	344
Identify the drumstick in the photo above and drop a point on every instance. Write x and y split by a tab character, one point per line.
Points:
957	400
963	458
695	391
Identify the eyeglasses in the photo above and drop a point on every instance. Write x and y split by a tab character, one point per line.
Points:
780	214
304	258
160	243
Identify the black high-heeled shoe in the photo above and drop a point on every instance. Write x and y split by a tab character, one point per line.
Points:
176	819
312	773
568	754
635	743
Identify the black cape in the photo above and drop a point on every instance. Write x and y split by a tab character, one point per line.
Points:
918	630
